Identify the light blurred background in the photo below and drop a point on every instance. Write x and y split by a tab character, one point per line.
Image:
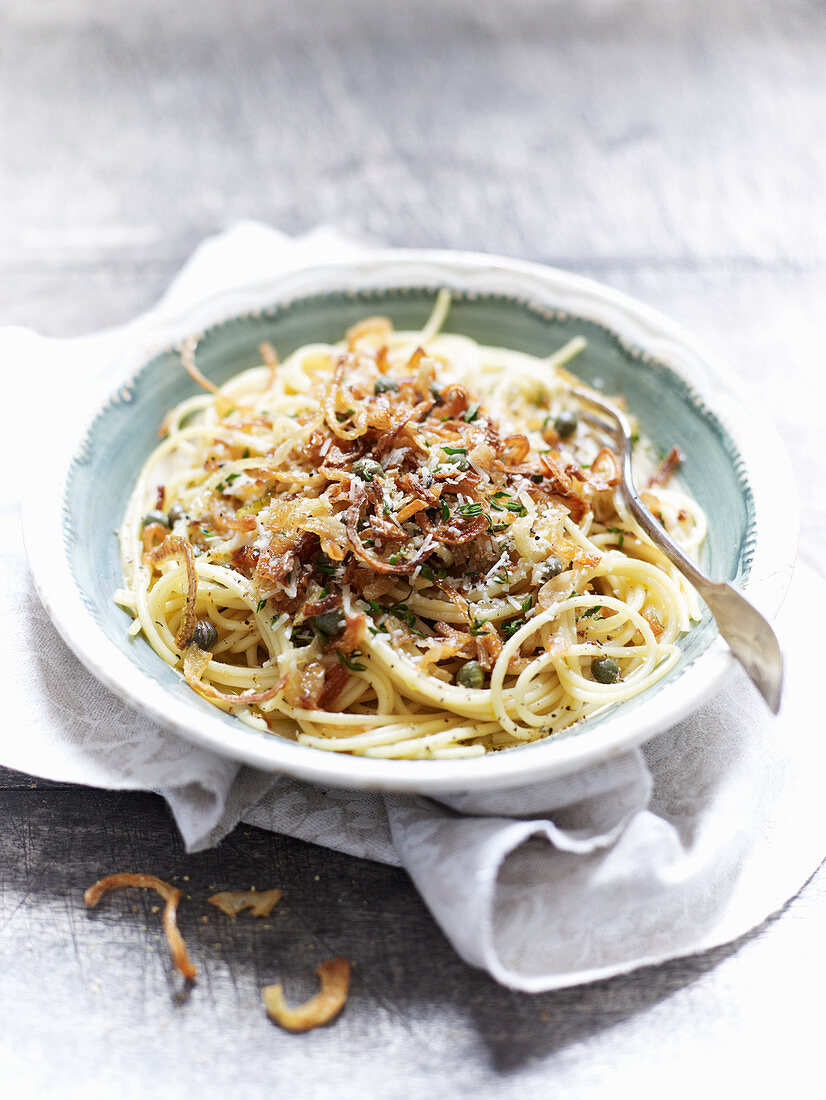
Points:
675	149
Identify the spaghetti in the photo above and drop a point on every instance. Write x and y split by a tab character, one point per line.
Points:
406	545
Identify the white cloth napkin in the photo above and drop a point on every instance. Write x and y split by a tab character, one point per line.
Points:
665	852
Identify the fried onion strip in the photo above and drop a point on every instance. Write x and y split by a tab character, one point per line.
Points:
233	902
334	975
361	551
669	464
195	663
170	894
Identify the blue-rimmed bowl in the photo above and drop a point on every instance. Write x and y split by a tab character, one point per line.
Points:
683	394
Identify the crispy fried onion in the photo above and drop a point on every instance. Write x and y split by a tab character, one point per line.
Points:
187	354
173	546
269	357
669	464
338	399
233	902
563	488
454	532
334	975
195	663
514	449
605	471
170	894
361	551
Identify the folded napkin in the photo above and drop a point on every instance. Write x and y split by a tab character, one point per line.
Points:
663	852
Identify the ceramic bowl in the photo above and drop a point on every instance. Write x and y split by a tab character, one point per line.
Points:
682	393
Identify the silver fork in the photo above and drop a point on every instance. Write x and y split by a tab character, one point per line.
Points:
748	633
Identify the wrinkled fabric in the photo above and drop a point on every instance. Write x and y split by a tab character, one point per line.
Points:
665	851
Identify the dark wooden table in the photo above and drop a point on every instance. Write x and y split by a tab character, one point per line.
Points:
672	148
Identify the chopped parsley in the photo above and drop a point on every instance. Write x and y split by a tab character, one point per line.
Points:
474	509
349	663
403	613
590	613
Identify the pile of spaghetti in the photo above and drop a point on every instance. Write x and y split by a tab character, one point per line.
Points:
406	545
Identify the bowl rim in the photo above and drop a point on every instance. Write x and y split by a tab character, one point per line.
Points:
558	291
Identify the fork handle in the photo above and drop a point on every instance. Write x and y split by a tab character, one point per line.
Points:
748	633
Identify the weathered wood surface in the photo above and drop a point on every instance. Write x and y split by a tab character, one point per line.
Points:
672	148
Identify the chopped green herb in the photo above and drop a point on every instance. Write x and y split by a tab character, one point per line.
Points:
500	493
261	605
509	629
496	506
478	626
403	613
620	536
591	612
474	509
471	412
385	385
349	663
444	510
517	507
527	602
324	566
246	453
455	450
501	577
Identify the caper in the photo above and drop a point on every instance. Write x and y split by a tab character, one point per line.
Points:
459	460
367	469
605	670
385	385
471	675
331	622
175	513
204	635
552	567
566	424
155	516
